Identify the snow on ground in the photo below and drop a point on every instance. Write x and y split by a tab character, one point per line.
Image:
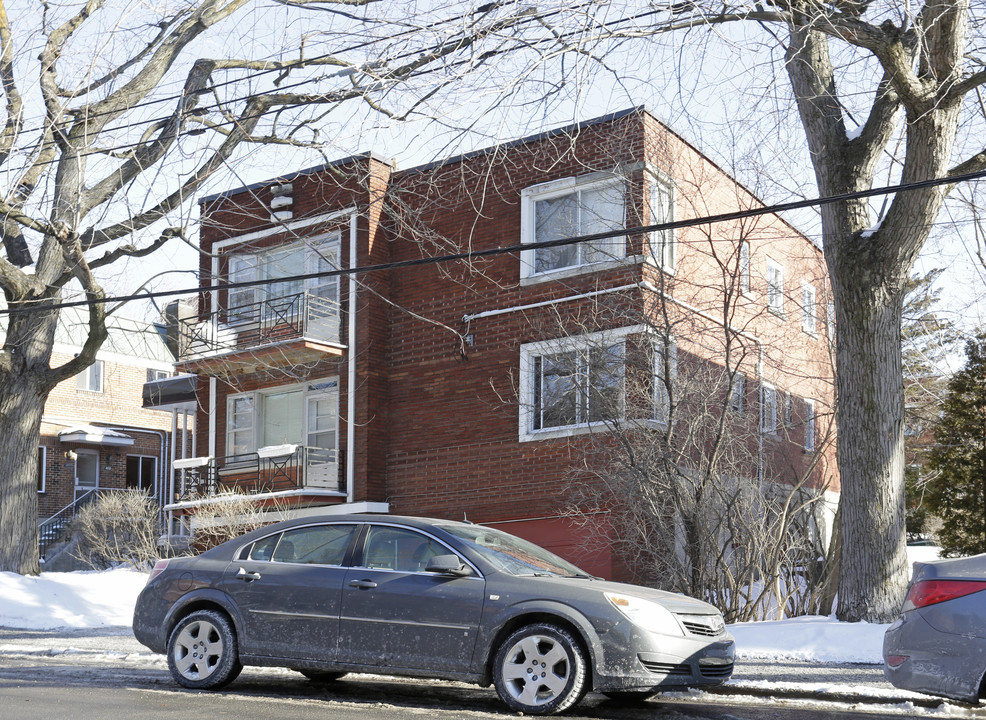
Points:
69	600
106	599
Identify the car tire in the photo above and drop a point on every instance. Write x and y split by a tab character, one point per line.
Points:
540	669
202	651
321	676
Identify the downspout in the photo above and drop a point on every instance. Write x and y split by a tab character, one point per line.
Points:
351	377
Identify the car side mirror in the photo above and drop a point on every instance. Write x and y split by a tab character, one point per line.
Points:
448	565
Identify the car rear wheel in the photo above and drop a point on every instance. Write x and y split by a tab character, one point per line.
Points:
202	651
540	669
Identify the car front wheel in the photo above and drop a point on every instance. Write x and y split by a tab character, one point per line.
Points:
202	651
540	669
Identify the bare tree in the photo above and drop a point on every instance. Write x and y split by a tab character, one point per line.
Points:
130	116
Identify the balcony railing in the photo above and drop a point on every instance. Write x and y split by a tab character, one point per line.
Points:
244	327
269	470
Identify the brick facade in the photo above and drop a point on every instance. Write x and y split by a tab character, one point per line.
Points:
438	423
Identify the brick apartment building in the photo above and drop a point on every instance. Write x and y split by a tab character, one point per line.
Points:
473	388
95	434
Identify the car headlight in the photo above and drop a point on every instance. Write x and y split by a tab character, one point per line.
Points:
645	614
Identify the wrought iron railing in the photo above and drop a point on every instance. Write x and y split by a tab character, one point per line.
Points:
52	530
260	323
270	469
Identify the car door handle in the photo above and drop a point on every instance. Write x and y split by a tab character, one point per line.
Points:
362	584
247	576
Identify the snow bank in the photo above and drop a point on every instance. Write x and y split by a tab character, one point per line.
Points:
69	600
811	639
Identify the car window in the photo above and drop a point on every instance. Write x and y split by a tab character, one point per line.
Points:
263	549
389	548
316	544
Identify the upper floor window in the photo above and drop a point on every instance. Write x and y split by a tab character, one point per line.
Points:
662	242
665	372
154	375
737	394
571	383
286	263
569	208
91	378
775	287
768	409
809	425
744	267
808	311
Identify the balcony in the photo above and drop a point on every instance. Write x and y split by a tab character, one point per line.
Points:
276	332
294	471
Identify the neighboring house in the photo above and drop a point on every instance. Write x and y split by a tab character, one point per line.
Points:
470	389
95	434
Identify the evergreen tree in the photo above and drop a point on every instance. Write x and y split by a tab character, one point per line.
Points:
958	492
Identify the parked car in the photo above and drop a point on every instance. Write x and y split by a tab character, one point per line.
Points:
938	644
424	598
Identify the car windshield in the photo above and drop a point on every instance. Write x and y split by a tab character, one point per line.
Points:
512	555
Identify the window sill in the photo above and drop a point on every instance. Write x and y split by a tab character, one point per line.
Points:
574	270
596	427
780	314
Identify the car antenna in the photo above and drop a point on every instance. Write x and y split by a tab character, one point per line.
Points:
466	520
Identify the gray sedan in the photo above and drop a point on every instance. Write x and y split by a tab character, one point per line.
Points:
938	645
424	598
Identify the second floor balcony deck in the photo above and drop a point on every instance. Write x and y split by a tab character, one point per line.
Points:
278	331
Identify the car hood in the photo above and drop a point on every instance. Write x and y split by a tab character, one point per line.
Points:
565	588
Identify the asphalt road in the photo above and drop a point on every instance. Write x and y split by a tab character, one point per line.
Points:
95	676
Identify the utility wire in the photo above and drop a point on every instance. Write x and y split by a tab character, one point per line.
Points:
510	249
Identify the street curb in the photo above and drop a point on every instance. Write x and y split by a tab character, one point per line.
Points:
829	696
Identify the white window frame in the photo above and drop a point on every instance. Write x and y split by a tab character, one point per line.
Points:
254	266
529	198
308	390
661	400
768	408
92	379
809	309
775	287
527	380
663	243
810	427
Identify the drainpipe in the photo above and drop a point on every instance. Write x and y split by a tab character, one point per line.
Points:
351	377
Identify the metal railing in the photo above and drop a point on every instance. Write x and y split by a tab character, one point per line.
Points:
286	467
51	530
260	323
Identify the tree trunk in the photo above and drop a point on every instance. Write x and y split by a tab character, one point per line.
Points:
871	454
21	408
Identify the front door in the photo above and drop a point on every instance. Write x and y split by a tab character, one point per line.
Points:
86	473
395	614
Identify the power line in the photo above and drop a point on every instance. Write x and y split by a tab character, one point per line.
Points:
510	249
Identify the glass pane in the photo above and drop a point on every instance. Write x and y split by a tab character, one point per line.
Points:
554	219
322	415
285	263
400	550
317	545
283	418
602	210
87	470
558	383
605	383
